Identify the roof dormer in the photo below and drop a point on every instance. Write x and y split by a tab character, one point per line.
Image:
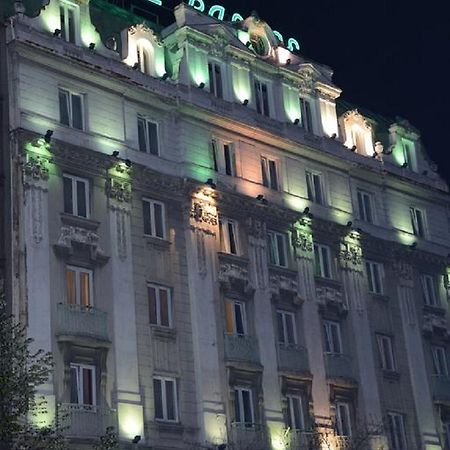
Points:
357	132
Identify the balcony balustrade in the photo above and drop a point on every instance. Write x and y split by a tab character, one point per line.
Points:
441	388
239	347
338	365
293	357
248	436
299	440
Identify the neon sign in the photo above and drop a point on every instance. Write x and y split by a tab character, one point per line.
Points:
218	12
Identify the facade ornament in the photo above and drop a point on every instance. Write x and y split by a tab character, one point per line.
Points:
350	253
302	238
435	323
121	232
119	190
403	272
35	167
234	276
284	286
331	297
256	228
203	212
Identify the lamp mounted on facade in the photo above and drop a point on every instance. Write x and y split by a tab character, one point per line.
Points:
353	149
288	61
221	446
115	153
92	46
210	183
165	76
404	165
262	199
306	210
333	136
349	224
136	66
136	439
127	162
248	44
57	32
296	121
201	85
245	102
413	245
48	136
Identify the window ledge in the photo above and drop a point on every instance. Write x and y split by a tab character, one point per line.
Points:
164	333
239	259
155	242
80	222
167	427
434	309
391	374
382	297
328	281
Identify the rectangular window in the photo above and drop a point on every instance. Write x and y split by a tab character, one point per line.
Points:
235	317
82	385
343	421
262	98
332	334
429	290
322	261
243	407
71	109
67	15
166	400
417	221
160	305
397	434
154	218
76	195
374	277
276	248
215	79
223	157
148	136
386	352
306	116
269	173
228	236
365	206
440	366
314	186
295	417
286	328
79	286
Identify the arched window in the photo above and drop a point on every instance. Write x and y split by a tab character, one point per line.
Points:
145	57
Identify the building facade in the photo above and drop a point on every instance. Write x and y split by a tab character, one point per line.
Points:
217	252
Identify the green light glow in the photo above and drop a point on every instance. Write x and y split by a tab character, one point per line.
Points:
237	18
197	4
50	17
398	156
243	36
217	11
291	103
278	35
156	2
293	44
241	83
120	170
198	66
131	421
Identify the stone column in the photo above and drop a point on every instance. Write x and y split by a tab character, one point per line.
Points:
412	333
129	402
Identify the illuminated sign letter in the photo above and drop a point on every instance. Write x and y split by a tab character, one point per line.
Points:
217	11
197	4
156	2
278	35
237	18
293	44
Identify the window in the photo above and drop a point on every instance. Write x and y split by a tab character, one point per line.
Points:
79	286
166	404
262	98
82	385
440	366
160	305
235	317
306	116
386	352
286	328
243	407
269	173
295	417
144	57
365	206
148	136
397	435
408	155
215	79
374	277
76	195
315	187
228	236
332	333
71	109
67	15
154	218
223	156
447	433
343	422
417	221
276	246
429	290
322	266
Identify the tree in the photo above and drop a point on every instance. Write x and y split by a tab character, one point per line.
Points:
108	441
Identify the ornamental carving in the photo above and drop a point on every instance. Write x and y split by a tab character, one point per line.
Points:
403	271
230	270
351	254
283	286
302	240
119	190
435	323
256	228
36	167
328	296
203	212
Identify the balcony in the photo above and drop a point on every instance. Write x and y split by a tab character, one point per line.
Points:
241	348
441	388
300	440
248	436
85	421
76	320
293	358
338	365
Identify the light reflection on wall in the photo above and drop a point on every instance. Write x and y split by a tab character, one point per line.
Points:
131	421
241	83
198	65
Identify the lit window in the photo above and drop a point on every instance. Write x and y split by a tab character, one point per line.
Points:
314	186
223	156
144	57
322	261
332	334
397	435
82	385
76	195
243	407
365	206
306	117
408	155
429	290
154	218
165	395
71	109
160	305
148	136
343	421
262	98
79	287
68	15
358	139
276	248
228	236
295	417
386	352
235	317
440	366
417	221
286	328
374	277
269	173
215	79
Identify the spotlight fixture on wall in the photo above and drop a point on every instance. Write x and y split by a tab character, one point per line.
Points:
353	149
221	446
165	76
349	224
259	197
413	245
404	165
210	183
92	46
262	199
201	85
136	439
57	32
306	210
296	121
115	153
288	61
48	136
248	44
375	154
136	66
245	102
333	136
127	162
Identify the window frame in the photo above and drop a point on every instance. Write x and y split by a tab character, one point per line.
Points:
361	197
437	362
213	83
276	261
152	204
262	100
158	288
291	417
233	330
311	187
348	418
375	275
387	360
267	175
164	380
284	314
78	270
433	299
74	197
223	164
329	337
65	7
239	406
69	94
319	271
147	144
419	226
306	114
225	237
395	444
80	385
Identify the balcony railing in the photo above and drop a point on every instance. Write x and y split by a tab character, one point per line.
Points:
76	320
241	348
441	387
338	365
293	357
343	443
85	421
248	436
299	440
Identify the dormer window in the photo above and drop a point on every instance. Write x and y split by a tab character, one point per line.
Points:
358	133
68	14
262	98
306	116
409	159
144	57
215	79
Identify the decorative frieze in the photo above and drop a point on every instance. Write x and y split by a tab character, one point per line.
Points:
284	286
234	276
331	297
256	228
36	168
350	254
203	212
119	190
435	322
